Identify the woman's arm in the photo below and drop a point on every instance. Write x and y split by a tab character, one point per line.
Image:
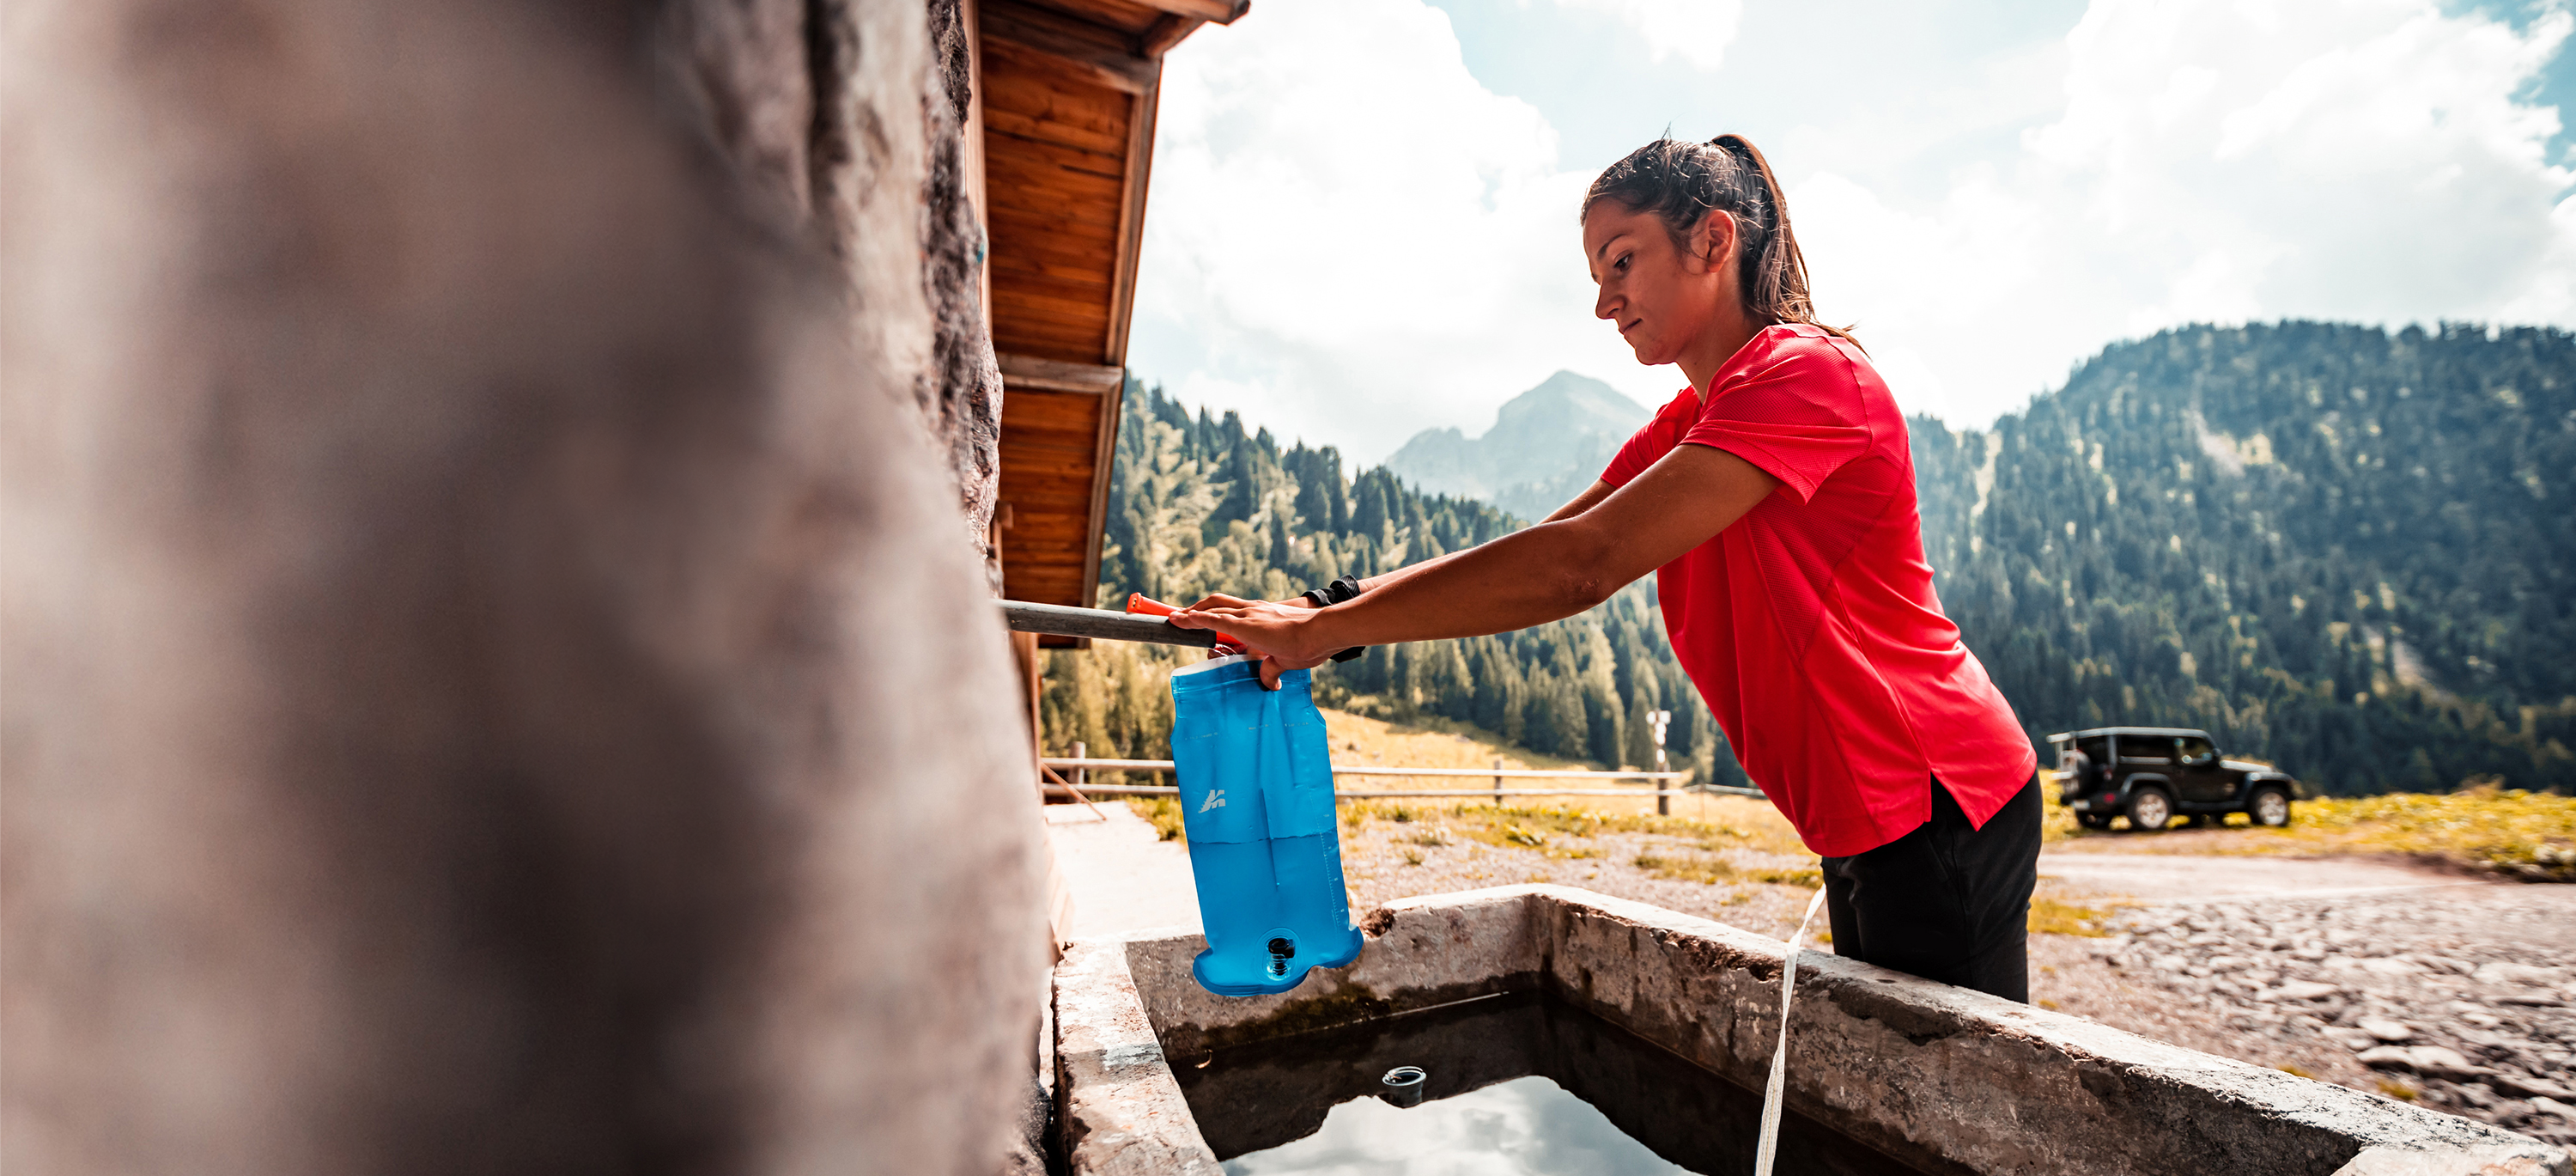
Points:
1556	569
1591	496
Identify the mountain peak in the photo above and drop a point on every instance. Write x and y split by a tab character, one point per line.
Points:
1574	396
1562	430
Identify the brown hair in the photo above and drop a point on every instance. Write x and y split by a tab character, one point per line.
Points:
1682	182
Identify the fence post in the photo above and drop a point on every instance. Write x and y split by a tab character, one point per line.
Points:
1498	782
1663	794
1081	775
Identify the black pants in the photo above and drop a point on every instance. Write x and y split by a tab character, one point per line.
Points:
1945	902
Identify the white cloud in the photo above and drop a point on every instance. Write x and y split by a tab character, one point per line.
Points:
2220	161
1352	238
1697	31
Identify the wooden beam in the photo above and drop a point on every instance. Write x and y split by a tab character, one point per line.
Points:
1104	55
1131	217
1107	451
1169	29
1220	11
1055	375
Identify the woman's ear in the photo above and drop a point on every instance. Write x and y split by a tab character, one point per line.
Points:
1713	241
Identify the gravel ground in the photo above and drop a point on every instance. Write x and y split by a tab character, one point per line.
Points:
2458	999
2461	999
1377	862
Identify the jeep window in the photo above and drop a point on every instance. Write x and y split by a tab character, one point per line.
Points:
2194	750
2139	749
2098	750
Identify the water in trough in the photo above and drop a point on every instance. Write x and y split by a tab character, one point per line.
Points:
1514	1084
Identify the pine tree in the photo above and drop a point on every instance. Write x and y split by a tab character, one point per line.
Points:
1641	731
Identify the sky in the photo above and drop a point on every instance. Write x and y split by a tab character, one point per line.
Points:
1362	220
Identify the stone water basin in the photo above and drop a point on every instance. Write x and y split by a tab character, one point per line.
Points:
1891	1072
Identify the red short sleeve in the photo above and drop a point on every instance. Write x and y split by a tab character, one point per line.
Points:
1797	415
1651	442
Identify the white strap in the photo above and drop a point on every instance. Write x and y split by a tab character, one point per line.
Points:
1770	1147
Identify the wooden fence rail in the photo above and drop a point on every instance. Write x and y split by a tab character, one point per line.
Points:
1663	792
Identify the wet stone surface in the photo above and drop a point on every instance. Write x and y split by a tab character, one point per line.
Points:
2462	1004
1605	1102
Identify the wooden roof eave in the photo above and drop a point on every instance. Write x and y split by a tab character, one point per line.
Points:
1063	271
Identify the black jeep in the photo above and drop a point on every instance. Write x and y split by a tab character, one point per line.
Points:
2149	774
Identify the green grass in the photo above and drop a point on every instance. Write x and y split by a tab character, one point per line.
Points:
1689	868
2048	916
1713	870
1808	878
1163	812
2511	832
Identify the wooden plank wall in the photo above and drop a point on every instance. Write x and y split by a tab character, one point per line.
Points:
1066	100
1056	146
1051	477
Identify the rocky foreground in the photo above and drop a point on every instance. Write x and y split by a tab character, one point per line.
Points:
2463	1001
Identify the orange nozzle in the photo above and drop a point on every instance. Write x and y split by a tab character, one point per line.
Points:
1138	602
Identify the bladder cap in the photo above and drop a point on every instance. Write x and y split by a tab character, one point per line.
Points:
1403	1086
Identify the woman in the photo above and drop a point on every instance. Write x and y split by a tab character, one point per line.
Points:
1774	499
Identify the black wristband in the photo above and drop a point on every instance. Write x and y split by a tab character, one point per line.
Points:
1341	589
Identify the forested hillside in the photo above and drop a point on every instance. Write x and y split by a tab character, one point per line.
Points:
2348	551
1198	506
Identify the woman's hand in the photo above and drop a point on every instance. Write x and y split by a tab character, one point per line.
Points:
1281	633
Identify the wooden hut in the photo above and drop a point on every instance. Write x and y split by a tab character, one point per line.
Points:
1061	142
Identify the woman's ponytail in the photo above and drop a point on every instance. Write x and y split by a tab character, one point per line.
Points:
1682	182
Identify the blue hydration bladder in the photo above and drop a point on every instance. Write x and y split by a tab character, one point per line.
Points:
1257	800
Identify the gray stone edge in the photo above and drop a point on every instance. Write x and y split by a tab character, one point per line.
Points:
1929	1072
1118	1107
1940	1076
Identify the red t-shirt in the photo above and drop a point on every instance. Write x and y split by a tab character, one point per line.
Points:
1810	625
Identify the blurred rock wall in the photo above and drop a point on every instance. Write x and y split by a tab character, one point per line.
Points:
790	94
489	677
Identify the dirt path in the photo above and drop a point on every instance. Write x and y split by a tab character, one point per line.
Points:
2217	878
1123	878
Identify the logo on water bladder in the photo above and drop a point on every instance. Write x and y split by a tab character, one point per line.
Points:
1215	800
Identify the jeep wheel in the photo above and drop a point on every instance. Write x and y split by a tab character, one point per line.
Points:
2270	807
2149	810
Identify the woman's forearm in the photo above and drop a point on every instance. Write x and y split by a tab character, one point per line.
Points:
1548	572
1408	571
1526	578
1582	502
1593	547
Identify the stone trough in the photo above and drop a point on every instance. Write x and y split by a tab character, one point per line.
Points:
1939	1078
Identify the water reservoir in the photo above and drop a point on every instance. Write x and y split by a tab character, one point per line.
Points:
1515	1083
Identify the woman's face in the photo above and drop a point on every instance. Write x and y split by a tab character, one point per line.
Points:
1660	297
